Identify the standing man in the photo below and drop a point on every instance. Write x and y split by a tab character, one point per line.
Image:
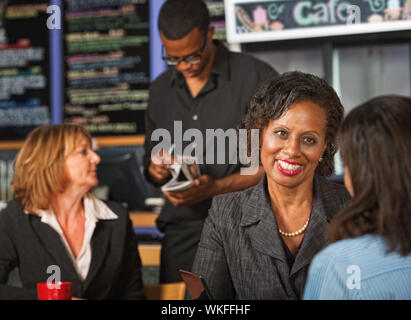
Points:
206	87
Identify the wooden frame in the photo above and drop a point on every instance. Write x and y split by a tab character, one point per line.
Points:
150	254
166	291
143	219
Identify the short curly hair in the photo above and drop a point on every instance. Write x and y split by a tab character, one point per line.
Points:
177	18
274	97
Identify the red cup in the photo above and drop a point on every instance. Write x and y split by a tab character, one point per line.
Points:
54	291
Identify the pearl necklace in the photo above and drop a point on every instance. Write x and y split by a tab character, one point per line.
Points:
297	233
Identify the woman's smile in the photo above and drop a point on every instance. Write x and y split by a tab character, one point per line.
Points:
288	168
292	145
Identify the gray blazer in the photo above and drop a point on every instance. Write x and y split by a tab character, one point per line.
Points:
241	254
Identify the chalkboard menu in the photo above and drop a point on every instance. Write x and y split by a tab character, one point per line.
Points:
268	20
106	65
24	68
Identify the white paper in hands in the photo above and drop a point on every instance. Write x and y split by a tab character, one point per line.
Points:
183	173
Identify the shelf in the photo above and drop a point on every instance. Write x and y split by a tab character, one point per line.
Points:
136	140
143	219
10	145
150	254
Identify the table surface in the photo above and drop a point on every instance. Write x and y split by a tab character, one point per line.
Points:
143	218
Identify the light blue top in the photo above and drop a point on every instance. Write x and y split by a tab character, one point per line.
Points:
359	268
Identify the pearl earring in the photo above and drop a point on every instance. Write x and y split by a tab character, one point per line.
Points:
321	159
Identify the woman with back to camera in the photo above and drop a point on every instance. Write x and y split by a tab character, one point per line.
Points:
371	254
56	221
258	243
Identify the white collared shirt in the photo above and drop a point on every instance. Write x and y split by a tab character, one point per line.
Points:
94	210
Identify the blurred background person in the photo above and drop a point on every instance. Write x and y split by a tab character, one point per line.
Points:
258	243
371	254
55	220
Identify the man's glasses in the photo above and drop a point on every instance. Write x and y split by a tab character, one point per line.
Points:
190	59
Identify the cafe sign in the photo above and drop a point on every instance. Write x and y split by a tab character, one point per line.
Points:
256	20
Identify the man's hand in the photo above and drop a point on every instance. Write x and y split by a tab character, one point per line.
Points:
204	188
159	167
159	172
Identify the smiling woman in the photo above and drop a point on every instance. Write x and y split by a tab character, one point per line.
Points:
279	224
56	221
292	145
276	97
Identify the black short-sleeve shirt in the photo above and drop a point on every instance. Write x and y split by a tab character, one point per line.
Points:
221	104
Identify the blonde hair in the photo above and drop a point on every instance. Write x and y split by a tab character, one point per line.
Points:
39	165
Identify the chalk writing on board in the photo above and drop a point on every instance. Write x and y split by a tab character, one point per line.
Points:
24	68
107	63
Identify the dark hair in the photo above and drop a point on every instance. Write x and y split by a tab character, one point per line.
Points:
375	141
272	99
178	18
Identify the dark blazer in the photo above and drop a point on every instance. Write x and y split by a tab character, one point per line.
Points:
241	254
33	246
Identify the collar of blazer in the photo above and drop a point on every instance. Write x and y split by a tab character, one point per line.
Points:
258	219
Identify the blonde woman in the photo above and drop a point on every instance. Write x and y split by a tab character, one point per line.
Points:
56	221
